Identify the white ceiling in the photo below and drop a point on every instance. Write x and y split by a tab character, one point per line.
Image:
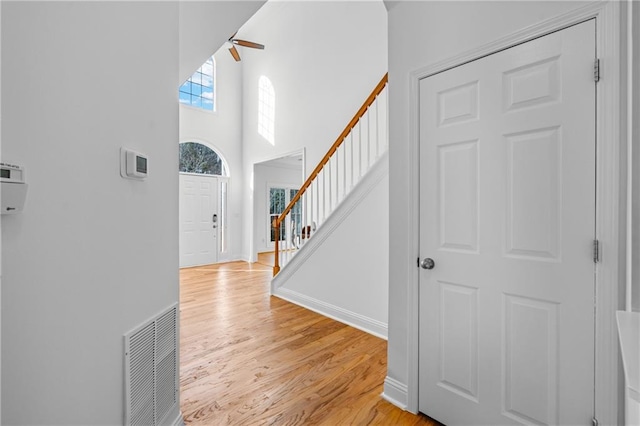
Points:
207	25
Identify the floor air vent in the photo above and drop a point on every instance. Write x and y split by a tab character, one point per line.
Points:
151	371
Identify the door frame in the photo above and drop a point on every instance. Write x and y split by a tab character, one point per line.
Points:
253	253
287	187
609	153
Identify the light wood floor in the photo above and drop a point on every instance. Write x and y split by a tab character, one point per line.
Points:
248	358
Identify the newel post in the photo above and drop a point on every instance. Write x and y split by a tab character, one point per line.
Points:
276	266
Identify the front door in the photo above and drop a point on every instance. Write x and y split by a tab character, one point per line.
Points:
199	220
507	215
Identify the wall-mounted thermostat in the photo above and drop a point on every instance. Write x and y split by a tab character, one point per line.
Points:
14	189
11	173
133	165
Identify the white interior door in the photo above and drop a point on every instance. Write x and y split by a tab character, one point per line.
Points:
199	220
507	202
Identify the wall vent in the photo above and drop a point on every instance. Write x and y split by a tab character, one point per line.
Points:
151	370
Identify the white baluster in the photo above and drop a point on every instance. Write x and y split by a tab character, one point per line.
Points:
324	194
359	150
377	128
386	125
285	248
317	191
351	158
304	216
330	187
337	179
368	141
344	169
311	205
320	196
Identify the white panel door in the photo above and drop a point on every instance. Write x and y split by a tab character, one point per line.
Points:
507	201
198	231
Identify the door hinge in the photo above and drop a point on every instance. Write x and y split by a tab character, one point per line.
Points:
596	70
596	251
594	421
418	262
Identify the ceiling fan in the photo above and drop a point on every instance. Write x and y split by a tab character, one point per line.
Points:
244	43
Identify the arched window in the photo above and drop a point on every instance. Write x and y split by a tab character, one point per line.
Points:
266	109
198	91
198	158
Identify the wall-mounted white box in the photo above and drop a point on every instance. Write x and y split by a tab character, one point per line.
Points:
133	165
13	197
13	190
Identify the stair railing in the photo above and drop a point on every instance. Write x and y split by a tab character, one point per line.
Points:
357	148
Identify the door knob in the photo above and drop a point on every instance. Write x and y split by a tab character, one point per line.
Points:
427	263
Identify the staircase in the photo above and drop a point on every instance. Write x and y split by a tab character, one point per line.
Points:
361	145
333	253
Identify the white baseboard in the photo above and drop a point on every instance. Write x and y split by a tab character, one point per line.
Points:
366	324
395	392
179	421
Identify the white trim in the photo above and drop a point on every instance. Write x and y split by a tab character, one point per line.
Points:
302	152
413	292
630	137
198	109
366	324
179	420
375	174
203	175
608	276
607	189
395	392
173	417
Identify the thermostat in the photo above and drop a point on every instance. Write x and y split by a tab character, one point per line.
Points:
14	189
133	165
11	173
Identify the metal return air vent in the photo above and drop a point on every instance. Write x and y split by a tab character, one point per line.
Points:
151	371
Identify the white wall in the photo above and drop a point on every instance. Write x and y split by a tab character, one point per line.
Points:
92	255
323	58
265	175
222	130
420	34
0	226
347	275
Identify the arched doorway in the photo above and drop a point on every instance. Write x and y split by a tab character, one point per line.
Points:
204	177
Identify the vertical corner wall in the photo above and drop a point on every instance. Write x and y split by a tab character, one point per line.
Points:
635	287
93	254
0	223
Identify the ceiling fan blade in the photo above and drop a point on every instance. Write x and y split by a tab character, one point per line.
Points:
234	53
245	43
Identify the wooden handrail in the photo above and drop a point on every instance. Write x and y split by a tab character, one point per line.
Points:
363	109
307	183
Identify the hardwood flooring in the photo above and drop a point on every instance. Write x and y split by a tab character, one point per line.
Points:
247	358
